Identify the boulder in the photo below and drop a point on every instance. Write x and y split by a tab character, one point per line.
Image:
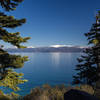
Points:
78	95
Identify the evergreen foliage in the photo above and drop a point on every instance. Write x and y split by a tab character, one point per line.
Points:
9	4
12	79
9	62
87	69
89	63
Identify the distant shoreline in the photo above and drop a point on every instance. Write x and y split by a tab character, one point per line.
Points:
47	50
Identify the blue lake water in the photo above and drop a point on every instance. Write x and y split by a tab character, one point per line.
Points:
51	68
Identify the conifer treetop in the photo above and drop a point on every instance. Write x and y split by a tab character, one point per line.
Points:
9	5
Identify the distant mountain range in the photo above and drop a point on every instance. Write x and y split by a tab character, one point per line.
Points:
53	48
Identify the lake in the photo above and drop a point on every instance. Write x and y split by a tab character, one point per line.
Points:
51	68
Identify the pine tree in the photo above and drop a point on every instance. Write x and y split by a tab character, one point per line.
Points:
89	64
8	62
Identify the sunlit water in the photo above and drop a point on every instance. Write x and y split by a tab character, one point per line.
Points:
51	68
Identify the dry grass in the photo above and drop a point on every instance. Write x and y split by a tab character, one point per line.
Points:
46	92
54	93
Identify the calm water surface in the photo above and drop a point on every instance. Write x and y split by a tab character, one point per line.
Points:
51	68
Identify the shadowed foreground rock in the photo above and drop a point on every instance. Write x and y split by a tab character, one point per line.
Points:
78	95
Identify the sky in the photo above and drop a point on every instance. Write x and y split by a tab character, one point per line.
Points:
56	22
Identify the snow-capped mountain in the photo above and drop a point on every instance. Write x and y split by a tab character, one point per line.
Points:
58	46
